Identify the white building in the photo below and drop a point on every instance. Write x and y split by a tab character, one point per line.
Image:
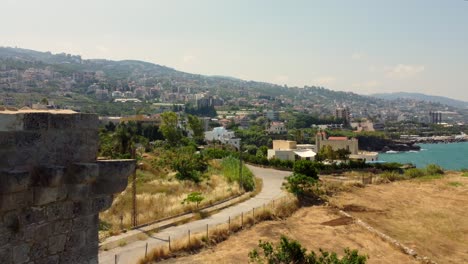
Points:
289	150
223	135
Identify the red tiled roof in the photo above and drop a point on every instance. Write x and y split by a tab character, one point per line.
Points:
337	138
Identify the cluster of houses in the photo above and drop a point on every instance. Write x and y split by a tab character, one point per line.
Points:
290	150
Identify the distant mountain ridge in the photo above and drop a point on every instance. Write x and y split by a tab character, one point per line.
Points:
422	97
76	75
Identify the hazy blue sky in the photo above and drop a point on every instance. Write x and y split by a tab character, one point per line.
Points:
361	46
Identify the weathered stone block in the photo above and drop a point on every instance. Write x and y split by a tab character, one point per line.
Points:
48	260
61	227
36	121
5	255
69	121
32	215
27	139
85	222
39	250
60	211
38	233
46	195
14	181
78	192
7	139
115	169
102	203
84	207
48	176
93	261
82	173
13	201
11	122
110	187
57	244
76	241
6	236
21	253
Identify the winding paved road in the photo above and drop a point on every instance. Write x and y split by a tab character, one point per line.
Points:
131	253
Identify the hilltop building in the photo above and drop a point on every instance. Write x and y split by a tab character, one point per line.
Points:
343	113
277	128
272	115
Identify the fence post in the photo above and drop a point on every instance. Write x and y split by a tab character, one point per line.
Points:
253	215
229	225
116	259
146	249
264	207
207	232
242	220
169	243
189	237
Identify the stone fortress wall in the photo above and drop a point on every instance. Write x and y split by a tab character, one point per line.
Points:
52	187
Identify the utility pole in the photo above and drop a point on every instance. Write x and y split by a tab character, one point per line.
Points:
240	166
134	203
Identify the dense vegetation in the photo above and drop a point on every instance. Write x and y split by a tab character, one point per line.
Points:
290	251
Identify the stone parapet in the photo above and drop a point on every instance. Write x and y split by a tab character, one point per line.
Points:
52	187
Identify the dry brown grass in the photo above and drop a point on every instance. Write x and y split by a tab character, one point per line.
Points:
428	215
160	196
314	227
281	209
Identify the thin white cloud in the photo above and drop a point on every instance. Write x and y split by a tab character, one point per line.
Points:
404	70
102	49
368	84
188	58
281	79
357	56
324	80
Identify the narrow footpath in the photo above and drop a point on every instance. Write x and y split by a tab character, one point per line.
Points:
132	252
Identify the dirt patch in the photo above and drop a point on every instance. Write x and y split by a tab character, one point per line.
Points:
339	221
307	226
355	208
428	216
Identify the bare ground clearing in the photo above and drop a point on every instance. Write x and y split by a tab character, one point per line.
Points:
315	227
429	216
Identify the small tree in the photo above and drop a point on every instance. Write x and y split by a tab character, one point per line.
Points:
298	184
305	167
194	197
188	165
196	125
169	128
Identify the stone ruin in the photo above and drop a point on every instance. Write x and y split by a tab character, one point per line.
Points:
52	187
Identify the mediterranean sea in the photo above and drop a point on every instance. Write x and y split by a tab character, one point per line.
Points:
451	156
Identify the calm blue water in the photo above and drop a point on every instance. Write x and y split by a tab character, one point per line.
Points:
453	156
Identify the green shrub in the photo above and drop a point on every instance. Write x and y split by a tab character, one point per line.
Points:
415	173
392	176
230	167
433	169
305	167
188	165
291	251
298	183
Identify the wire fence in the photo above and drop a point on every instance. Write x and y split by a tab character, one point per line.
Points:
208	234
